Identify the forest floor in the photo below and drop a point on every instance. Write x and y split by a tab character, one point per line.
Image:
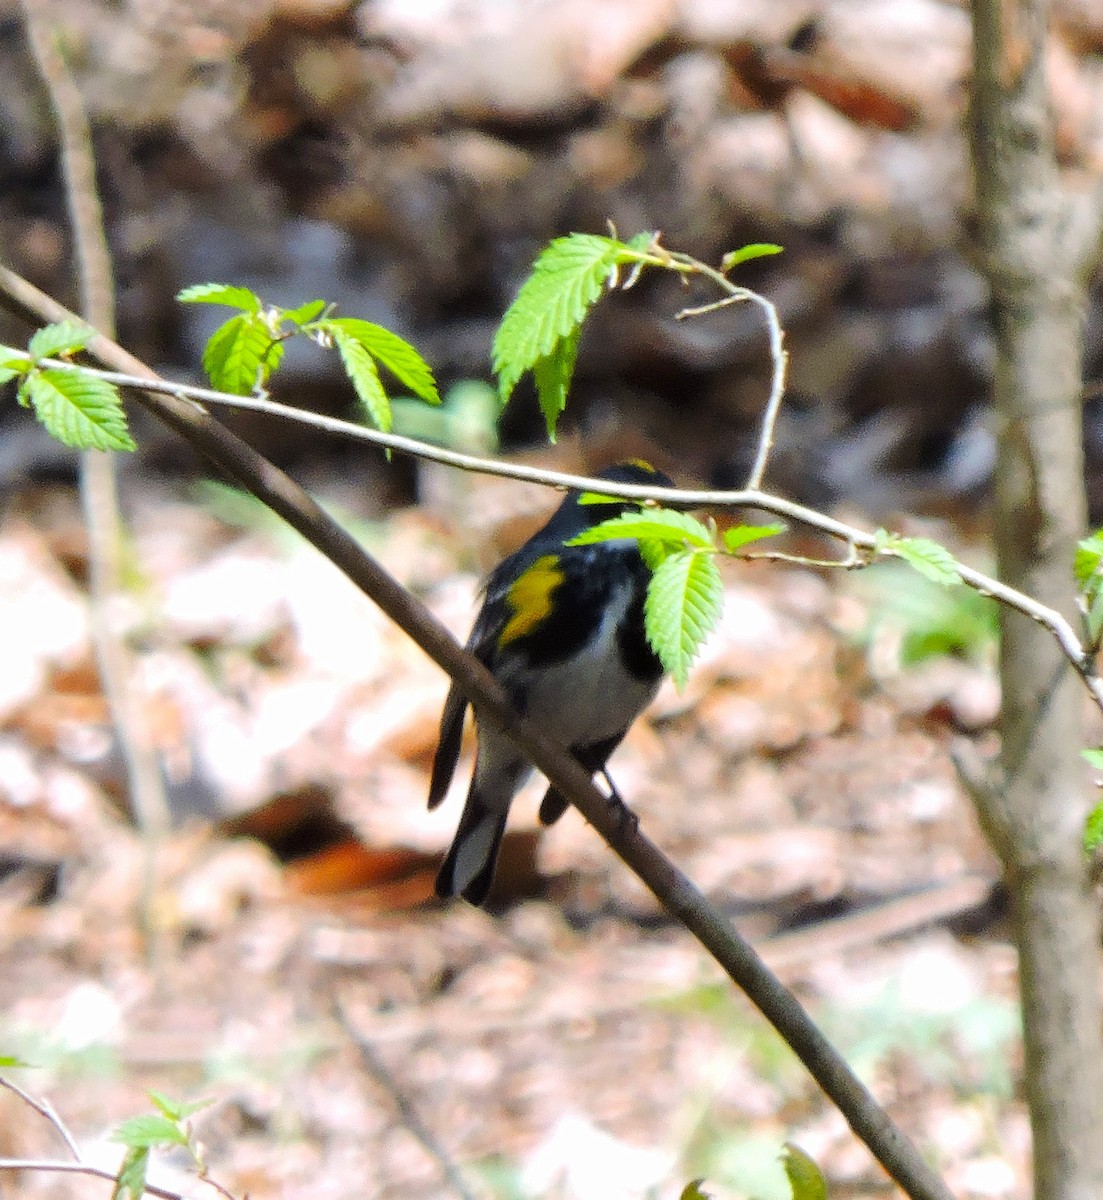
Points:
278	952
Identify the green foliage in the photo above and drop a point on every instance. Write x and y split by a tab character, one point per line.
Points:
8	1061
694	1191
242	353
1087	569
925	618
733	258
739	536
76	407
540	330
804	1175
59	340
1093	829
165	1128
931	560
662	525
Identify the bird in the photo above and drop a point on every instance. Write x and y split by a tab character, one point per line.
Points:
561	628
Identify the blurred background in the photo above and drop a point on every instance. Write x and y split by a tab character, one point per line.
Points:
278	949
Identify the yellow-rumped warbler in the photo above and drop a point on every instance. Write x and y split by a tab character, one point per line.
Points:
561	629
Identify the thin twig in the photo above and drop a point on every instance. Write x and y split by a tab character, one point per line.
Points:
44	1109
99	491
407	1112
987	585
80	1168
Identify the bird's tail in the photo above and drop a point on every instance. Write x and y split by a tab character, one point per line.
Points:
469	865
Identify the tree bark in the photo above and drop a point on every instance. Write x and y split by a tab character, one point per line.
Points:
1037	242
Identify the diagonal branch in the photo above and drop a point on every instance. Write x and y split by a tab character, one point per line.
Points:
671	887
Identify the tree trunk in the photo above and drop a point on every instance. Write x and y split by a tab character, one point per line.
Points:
1037	242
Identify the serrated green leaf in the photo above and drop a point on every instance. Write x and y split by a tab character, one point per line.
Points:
395	353
552	375
361	370
54	341
745	253
148	1130
567	277
663	525
131	1179
682	606
78	409
1093	829
1094	757
931	560
8	373
742	535
305	313
241	354
222	293
805	1177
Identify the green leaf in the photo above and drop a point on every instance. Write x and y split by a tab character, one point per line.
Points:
396	354
805	1177
745	253
78	409
683	605
694	1191
742	535
662	525
148	1130
55	341
222	293
1087	563
176	1110
131	1179
241	354
567	277
1093	829
10	1060
361	369
930	559
552	375
1094	757
305	313
12	367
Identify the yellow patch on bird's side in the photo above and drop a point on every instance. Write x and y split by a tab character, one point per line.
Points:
643	465
530	598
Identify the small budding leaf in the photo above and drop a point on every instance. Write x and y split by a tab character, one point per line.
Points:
1093	829
805	1177
662	525
222	293
743	535
78	409
305	313
931	560
682	607
56	341
745	253
241	354
177	1110
131	1180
